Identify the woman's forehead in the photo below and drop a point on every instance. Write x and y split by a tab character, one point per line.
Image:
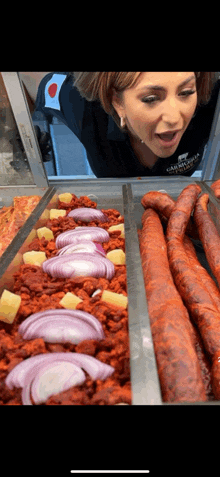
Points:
161	78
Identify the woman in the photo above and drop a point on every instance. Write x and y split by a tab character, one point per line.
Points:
135	123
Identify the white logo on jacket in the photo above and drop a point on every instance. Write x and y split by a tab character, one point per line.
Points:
183	164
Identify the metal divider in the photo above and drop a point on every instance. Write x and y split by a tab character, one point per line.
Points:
144	375
213	205
205	188
210	169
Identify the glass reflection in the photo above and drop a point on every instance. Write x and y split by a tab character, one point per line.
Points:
14	166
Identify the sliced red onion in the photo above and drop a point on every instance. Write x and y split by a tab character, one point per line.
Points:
61	326
87	246
100	248
80	234
79	264
49	379
24	374
87	214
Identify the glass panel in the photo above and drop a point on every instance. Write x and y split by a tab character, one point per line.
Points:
14	165
67	158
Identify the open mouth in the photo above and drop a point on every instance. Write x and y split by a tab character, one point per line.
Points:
167	136
168	139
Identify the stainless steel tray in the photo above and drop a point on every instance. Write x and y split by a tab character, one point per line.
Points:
125	196
141	339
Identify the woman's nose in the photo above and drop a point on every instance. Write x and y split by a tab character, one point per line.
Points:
171	114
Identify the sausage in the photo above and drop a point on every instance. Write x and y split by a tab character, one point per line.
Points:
164	204
196	298
208	235
216	188
202	273
159	201
173	334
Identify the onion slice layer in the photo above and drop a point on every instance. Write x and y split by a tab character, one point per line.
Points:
32	373
88	214
79	264
85	247
61	326
79	234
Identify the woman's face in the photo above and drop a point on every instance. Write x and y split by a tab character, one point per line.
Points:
159	103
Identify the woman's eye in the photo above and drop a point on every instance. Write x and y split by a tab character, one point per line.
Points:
150	99
187	92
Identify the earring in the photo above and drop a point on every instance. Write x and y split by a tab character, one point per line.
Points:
122	124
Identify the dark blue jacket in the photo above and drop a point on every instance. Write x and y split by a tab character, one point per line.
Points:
109	150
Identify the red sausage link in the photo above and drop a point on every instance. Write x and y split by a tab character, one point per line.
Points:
173	334
208	235
164	205
159	201
198	301
201	272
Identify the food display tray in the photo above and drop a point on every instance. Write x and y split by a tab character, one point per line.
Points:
125	196
7	195
10	255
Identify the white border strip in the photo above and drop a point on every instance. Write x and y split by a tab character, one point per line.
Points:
110	471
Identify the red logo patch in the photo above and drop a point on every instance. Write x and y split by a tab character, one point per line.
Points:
52	90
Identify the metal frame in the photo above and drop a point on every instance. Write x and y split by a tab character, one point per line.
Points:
25	126
210	169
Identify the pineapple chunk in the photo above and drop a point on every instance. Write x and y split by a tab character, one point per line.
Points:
45	232
116	299
9	305
66	197
70	301
118	227
116	256
55	213
34	258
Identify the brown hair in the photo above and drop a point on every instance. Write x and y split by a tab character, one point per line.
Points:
99	86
